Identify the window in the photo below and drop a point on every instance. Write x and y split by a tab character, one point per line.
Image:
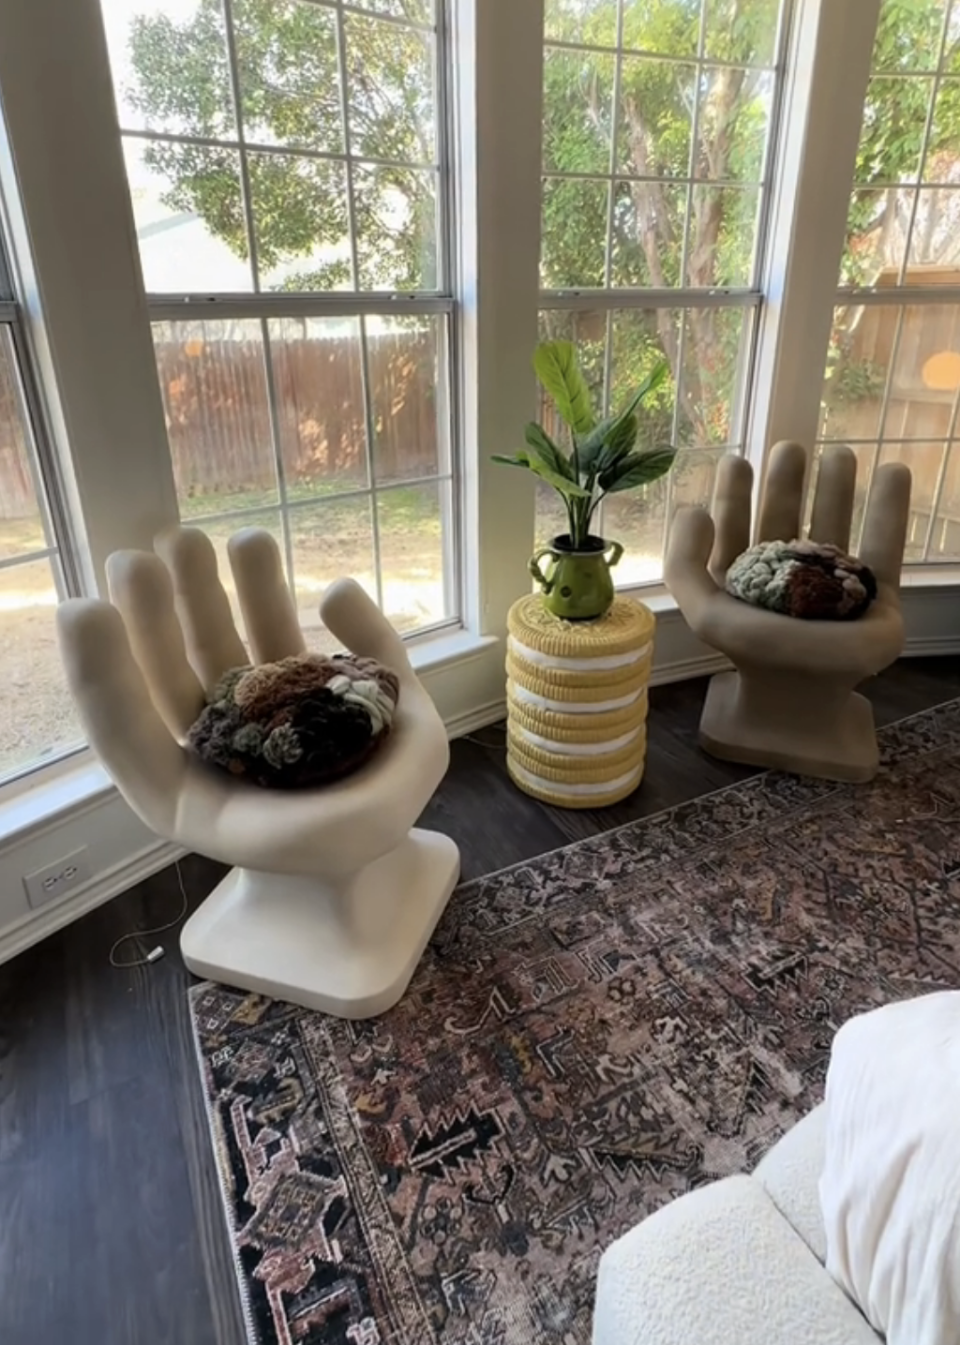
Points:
285	163
340	352
892	382
658	132
38	715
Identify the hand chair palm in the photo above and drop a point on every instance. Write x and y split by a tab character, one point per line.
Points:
790	703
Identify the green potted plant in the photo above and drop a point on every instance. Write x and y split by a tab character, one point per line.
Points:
603	460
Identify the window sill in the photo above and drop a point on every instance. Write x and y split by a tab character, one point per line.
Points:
454	647
59	790
67	787
930	576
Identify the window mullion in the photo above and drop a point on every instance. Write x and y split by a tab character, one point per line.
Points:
498	60
369	427
82	289
245	187
831	51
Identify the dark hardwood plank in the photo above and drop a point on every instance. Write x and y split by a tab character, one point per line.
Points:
492	822
111	1227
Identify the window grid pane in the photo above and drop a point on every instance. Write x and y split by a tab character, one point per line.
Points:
671	154
657	134
295	148
363	466
40	723
259	139
892	381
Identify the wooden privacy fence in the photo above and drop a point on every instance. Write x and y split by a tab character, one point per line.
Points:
925	377
219	423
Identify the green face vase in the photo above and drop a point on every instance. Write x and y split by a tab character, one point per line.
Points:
577	584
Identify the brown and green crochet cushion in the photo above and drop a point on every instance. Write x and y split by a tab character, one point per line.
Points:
303	721
813	580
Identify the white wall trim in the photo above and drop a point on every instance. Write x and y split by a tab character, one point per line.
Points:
36	925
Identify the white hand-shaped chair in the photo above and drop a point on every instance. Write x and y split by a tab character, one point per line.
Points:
333	896
791	704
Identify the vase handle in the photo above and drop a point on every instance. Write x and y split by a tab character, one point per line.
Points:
534	567
616	551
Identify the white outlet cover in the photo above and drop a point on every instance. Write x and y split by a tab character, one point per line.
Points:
57	879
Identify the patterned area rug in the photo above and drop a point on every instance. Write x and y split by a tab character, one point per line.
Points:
589	1035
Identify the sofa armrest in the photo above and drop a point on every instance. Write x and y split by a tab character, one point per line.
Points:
720	1266
790	1174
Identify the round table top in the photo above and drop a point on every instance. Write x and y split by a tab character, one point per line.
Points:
625	627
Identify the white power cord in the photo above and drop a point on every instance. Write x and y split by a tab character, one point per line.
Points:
155	953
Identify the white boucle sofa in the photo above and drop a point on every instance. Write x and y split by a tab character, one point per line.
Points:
736	1263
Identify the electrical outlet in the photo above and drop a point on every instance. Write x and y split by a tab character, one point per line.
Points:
59	878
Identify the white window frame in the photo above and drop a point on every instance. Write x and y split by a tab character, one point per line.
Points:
611	300
262	305
88	319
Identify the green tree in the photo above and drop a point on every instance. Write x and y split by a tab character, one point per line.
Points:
290	98
661	99
290	94
894	123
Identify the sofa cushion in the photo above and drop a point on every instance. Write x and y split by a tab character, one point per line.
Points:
790	1175
720	1266
890	1189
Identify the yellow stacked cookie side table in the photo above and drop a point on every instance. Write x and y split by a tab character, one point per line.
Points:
577	702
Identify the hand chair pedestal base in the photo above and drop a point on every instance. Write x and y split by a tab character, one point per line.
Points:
348	948
803	723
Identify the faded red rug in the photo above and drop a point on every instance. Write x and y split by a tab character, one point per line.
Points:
589	1035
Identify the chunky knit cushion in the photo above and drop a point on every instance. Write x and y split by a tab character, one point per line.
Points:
806	579
303	721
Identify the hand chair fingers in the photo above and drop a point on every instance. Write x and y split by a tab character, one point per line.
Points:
833	498
141	589
269	615
731	513
355	618
689	546
212	643
783	493
885	527
118	716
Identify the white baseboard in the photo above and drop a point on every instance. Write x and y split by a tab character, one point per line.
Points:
469	693
35	925
491	713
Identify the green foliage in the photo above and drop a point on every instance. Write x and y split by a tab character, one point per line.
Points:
290	97
289	80
636	469
894	120
857	381
556	367
563	482
602	459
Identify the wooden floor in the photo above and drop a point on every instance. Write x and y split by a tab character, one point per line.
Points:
110	1223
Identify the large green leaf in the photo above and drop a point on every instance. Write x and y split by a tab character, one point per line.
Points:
557	369
547	451
562	483
656	377
613	438
607	442
637	469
